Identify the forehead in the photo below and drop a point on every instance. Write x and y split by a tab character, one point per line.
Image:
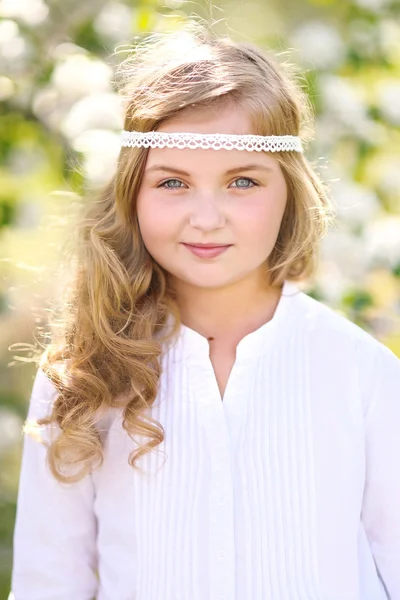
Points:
228	119
207	162
218	118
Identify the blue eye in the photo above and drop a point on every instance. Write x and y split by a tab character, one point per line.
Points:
243	183
248	183
176	184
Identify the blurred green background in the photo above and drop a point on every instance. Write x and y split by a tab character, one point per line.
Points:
60	120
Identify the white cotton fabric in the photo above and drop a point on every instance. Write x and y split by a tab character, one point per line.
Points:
289	489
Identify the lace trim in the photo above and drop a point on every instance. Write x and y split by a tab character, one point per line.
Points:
214	141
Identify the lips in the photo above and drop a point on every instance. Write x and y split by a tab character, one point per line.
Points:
210	245
206	251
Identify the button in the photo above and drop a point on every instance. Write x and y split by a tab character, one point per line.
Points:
221	502
220	556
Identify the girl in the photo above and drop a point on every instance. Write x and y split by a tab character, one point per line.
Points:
209	431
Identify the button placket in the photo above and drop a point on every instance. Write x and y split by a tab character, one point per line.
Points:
221	513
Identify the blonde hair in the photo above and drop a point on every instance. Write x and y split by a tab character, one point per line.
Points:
107	351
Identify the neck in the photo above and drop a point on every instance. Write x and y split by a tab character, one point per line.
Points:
226	315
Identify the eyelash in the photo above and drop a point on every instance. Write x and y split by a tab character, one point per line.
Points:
163	184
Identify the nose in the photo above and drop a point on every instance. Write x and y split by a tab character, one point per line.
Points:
206	212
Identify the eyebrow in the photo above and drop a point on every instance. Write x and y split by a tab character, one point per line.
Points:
250	167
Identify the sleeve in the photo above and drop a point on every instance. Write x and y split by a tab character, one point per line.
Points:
54	556
381	503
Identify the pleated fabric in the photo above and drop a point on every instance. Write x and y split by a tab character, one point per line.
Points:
269	493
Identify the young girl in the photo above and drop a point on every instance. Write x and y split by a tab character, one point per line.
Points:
209	431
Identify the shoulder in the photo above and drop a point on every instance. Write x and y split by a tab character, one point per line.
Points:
330	325
44	393
348	348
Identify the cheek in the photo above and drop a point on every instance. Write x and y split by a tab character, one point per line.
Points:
157	222
263	216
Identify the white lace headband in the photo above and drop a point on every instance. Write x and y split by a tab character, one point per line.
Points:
214	141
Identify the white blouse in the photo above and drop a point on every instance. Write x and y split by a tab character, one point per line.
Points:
289	489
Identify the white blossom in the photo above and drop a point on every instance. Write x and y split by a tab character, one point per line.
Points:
100	149
62	51
331	282
319	44
32	12
383	236
373	5
389	38
355	203
389	176
114	21
12	44
330	130
49	107
389	101
97	111
342	100
79	75
348	252
7	88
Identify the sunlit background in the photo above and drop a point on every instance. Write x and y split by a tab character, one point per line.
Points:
59	135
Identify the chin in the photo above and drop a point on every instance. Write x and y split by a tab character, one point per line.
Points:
207	282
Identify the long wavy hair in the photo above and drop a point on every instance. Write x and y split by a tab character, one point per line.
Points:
107	340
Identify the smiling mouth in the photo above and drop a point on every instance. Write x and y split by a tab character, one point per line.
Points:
207	251
207	245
